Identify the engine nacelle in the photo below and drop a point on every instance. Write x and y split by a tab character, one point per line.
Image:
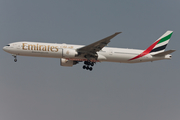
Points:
69	53
67	63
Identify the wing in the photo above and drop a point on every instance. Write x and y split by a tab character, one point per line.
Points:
97	46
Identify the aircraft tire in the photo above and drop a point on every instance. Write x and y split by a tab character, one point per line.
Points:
87	68
84	67
90	68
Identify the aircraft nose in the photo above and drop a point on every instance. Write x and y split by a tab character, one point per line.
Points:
5	48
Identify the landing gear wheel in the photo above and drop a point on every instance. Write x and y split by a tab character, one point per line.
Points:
90	68
92	64
84	67
87	68
15	60
87	65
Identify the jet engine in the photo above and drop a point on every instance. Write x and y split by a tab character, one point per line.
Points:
67	63
69	53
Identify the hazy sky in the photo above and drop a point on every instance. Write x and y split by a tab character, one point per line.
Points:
41	89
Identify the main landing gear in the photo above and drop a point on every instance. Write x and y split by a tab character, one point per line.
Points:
15	58
87	65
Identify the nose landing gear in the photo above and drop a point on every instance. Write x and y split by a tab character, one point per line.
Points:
15	58
87	65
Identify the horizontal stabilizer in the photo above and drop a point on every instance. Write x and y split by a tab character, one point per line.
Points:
164	53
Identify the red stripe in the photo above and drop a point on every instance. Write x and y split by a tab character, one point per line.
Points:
146	51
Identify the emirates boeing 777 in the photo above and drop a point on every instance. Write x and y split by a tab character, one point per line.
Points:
70	54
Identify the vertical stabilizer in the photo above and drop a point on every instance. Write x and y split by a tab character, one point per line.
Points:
157	47
161	43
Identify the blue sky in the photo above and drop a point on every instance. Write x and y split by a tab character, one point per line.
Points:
39	88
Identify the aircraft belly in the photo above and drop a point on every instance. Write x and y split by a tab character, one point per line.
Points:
123	58
146	58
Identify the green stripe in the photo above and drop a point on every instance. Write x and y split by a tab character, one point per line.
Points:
165	38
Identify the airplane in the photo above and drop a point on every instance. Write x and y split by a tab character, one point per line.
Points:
70	54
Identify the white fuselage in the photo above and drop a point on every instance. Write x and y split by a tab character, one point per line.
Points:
107	54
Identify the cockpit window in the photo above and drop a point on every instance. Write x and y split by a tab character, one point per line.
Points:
7	45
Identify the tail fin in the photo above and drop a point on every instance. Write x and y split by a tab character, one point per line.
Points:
157	47
161	43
